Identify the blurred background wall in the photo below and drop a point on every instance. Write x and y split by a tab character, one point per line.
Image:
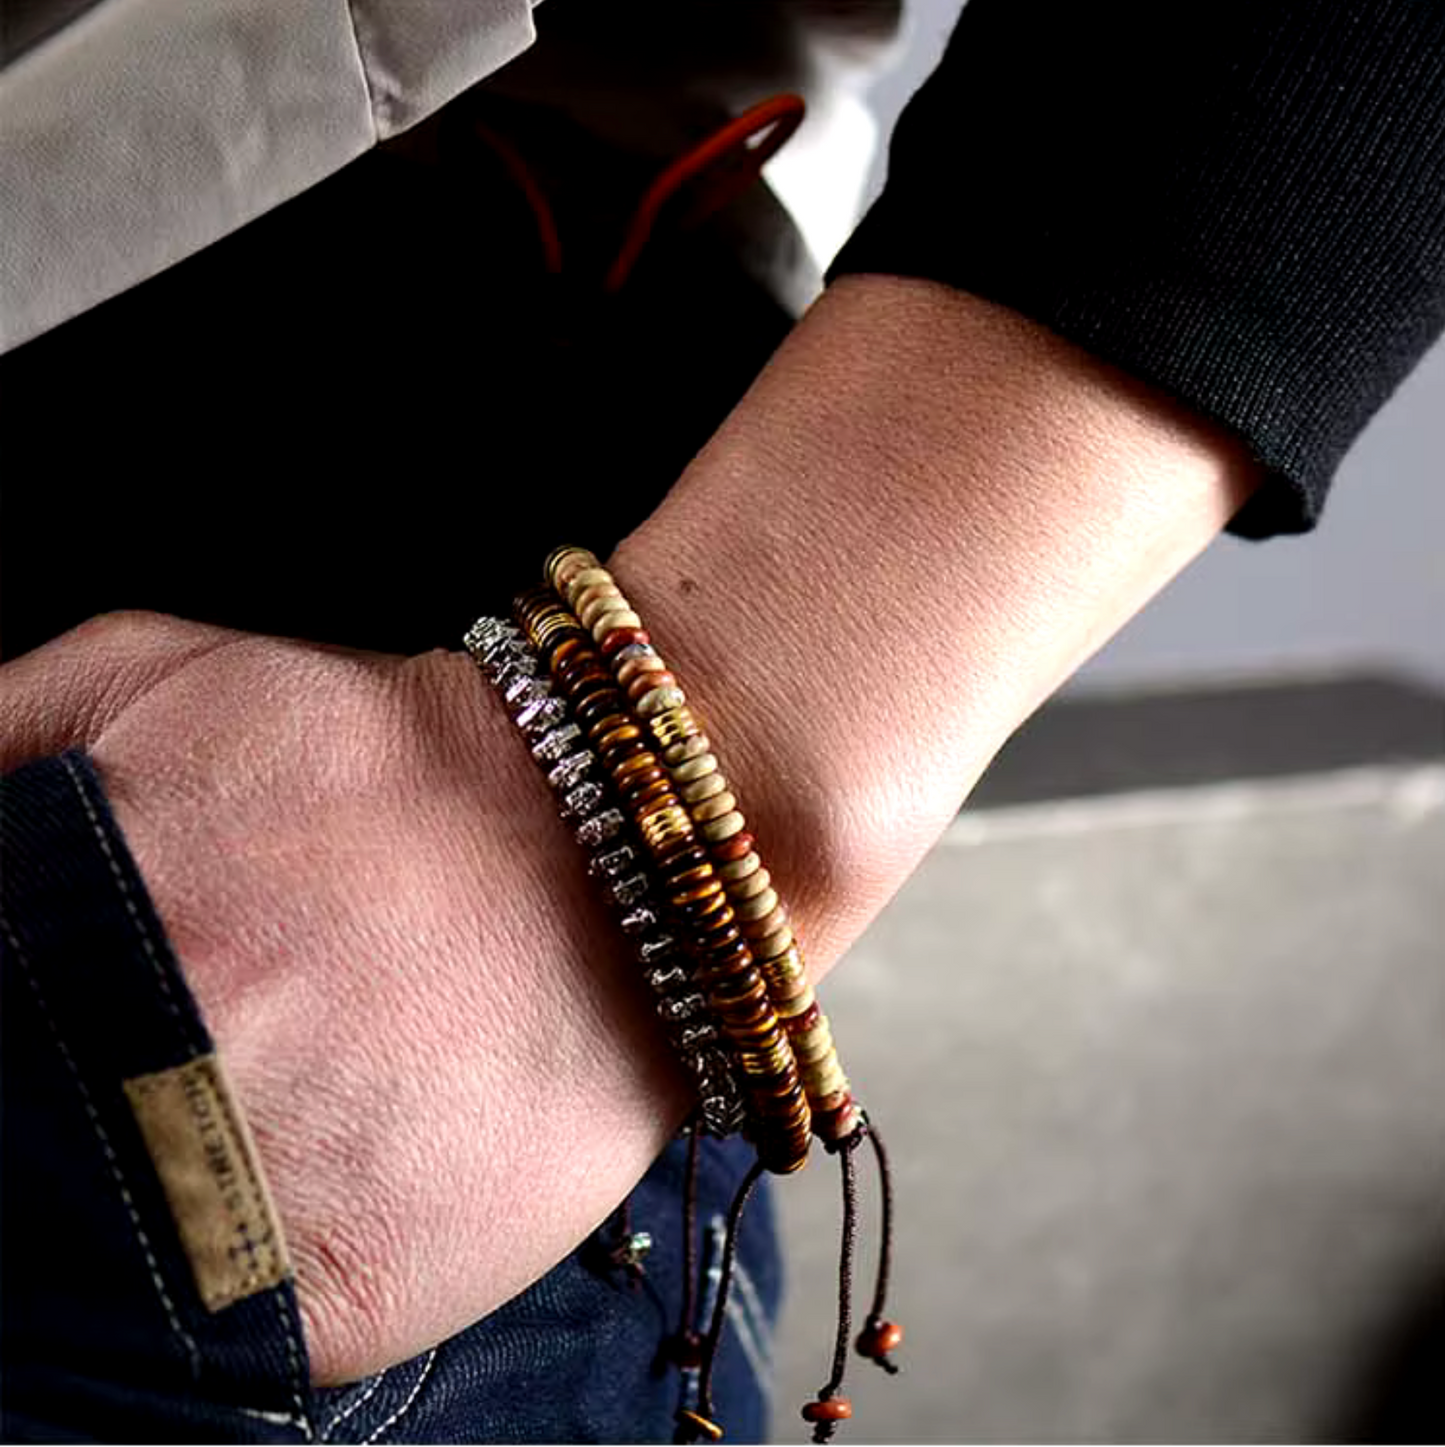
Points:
1154	1031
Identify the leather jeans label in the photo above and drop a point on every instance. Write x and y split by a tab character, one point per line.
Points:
212	1180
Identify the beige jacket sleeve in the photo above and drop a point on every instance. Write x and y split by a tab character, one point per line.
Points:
135	132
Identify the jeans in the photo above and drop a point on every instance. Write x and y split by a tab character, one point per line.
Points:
105	1335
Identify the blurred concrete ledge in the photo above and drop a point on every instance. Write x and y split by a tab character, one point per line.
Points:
1154	1037
1079	747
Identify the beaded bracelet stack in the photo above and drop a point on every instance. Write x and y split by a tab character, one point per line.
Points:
638	780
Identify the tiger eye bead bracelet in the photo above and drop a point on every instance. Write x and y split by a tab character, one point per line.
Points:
693	894
655	697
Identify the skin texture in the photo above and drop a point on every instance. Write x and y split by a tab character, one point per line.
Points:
922	518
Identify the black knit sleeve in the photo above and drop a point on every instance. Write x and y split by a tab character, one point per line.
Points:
1243	204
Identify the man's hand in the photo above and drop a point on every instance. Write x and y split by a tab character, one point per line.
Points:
448	1064
925	514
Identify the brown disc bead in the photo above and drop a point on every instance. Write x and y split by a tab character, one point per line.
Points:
594	709
725	949
574	654
763	1037
639	786
696	906
786	1116
746	1013
687	878
783	1152
575	644
782	1160
737	847
742	988
621	638
743	1024
619	743
708	887
600	729
542	619
781	1087
623	753
644	681
834	1409
729	970
579	673
722	951
645	797
692	857
641	768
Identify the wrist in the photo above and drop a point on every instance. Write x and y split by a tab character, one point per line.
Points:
924	516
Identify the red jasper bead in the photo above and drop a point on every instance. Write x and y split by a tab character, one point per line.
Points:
621	637
738	847
801	1024
835	1409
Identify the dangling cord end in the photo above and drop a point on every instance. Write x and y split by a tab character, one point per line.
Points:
830	1408
880	1336
702	1418
684	1349
694	1427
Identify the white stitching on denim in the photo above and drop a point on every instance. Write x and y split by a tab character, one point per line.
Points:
281	1419
147	943
757	1316
192	1351
405	1407
352	1406
749	1344
293	1356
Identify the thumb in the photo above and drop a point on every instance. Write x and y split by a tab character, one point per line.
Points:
67	692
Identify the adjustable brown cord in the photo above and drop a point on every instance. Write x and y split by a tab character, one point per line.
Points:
830	1407
693	1426
685	1348
880	1336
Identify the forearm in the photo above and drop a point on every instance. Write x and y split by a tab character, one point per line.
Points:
925	515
